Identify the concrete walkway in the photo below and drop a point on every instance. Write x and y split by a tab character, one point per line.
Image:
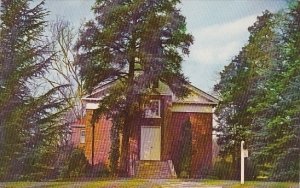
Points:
187	185
167	183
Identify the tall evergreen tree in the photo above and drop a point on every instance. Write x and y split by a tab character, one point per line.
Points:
137	42
27	120
277	117
240	81
265	78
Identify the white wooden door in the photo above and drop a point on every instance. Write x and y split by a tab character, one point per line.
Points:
150	143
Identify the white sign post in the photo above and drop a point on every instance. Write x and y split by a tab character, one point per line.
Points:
244	153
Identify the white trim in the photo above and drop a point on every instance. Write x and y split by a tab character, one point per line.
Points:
148	148
95	99
91	99
82	136
159	111
92	106
204	94
77	126
180	107
197	96
163	90
193	102
156	126
100	88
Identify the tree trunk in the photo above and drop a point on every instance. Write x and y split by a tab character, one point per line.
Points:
124	160
93	147
126	133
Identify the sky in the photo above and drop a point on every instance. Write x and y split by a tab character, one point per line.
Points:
219	28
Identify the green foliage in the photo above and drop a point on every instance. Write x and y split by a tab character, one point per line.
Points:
39	164
186	150
227	170
223	169
76	165
287	167
265	111
115	148
29	114
278	114
240	83
136	43
103	172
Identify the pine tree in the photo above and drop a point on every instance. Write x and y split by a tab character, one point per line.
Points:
240	82
28	118
277	142
260	91
138	43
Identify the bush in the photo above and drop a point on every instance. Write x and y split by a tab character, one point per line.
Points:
76	165
104	172
35	165
286	167
99	170
184	174
225	169
186	150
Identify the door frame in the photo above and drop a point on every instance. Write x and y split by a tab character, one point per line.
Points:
160	145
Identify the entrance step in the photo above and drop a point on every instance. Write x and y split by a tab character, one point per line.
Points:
154	169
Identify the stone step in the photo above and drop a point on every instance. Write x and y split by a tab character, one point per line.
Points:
153	169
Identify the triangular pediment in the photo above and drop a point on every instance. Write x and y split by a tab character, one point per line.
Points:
196	96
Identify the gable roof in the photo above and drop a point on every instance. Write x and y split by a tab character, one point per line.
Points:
197	95
99	91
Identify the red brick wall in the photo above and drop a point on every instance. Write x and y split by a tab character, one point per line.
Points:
101	140
165	105
75	138
201	140
201	143
171	123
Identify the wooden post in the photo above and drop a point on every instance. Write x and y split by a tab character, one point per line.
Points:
242	163
93	144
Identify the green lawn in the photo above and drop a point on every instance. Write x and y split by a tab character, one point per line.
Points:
149	183
251	184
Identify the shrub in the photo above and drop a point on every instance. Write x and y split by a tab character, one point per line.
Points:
186	150
226	169
286	167
98	170
103	172
223	169
76	165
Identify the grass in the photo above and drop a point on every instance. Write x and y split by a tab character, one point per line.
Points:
251	184
128	183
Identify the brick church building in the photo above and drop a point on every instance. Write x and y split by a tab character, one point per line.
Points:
155	142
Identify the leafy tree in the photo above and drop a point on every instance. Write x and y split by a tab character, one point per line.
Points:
260	92
277	142
137	43
28	114
240	82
